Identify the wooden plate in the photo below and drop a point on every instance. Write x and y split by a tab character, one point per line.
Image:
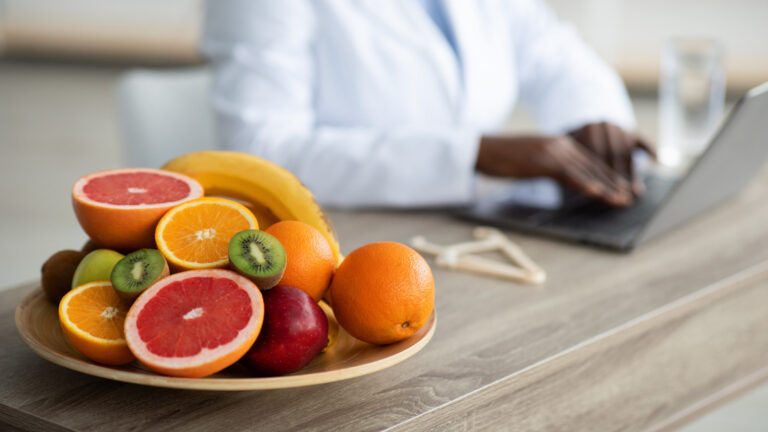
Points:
38	324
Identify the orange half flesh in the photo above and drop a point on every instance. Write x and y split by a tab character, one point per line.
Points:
196	234
92	318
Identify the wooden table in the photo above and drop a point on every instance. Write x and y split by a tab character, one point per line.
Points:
645	340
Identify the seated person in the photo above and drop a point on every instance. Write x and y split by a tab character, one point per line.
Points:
399	103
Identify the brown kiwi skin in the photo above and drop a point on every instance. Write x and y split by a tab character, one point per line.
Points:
57	272
129	297
263	283
89	246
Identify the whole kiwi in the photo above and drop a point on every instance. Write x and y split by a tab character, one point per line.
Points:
57	273
89	246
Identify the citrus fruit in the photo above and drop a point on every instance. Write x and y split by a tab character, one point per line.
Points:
119	208
92	317
383	292
195	323
310	263
196	234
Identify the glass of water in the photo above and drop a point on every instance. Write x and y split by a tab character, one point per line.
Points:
691	99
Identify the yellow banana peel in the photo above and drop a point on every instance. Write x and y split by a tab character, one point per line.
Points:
333	325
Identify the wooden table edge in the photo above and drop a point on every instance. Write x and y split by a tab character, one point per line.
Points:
18	419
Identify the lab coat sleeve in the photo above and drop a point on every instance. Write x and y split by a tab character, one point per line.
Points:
262	92
562	81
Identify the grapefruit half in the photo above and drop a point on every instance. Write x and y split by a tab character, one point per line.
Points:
120	208
195	323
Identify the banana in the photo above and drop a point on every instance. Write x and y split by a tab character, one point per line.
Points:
270	191
333	325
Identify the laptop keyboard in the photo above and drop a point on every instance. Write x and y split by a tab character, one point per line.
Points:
578	218
581	213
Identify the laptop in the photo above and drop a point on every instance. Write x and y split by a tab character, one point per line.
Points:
732	159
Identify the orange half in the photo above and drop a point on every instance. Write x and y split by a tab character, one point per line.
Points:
92	318
196	234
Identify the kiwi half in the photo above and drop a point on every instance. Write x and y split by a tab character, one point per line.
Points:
137	271
258	256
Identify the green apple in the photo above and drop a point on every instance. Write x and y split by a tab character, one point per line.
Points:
96	266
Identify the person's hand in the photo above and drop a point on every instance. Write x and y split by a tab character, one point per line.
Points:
558	157
614	146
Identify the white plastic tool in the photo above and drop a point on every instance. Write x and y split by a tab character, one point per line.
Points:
459	256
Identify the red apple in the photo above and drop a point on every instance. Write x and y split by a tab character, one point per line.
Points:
295	330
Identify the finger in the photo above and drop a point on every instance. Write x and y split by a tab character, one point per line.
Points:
579	180
619	145
638	188
618	188
583	181
585	163
601	171
613	185
578	134
596	140
649	148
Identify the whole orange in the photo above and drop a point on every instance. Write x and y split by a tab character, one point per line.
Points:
383	292
309	258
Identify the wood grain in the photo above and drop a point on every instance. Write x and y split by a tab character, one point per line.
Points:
610	342
38	325
639	370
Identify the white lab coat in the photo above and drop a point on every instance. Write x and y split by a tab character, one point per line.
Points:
366	102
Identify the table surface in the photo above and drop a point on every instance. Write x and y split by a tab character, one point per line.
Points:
648	339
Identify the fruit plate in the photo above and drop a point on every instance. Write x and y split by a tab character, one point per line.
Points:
38	324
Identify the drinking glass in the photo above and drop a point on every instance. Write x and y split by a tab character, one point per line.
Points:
691	99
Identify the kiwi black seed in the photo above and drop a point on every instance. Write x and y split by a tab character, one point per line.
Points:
57	272
258	256
137	271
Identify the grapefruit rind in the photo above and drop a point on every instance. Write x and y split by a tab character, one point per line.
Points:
207	361
195	189
168	217
124	227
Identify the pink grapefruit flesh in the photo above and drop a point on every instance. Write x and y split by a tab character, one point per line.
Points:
195	323
120	208
136	188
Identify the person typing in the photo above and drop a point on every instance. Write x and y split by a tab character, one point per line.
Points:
400	103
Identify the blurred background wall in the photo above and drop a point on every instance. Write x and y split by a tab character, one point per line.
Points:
133	31
627	33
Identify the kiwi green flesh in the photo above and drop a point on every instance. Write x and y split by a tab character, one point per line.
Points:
138	271
258	256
